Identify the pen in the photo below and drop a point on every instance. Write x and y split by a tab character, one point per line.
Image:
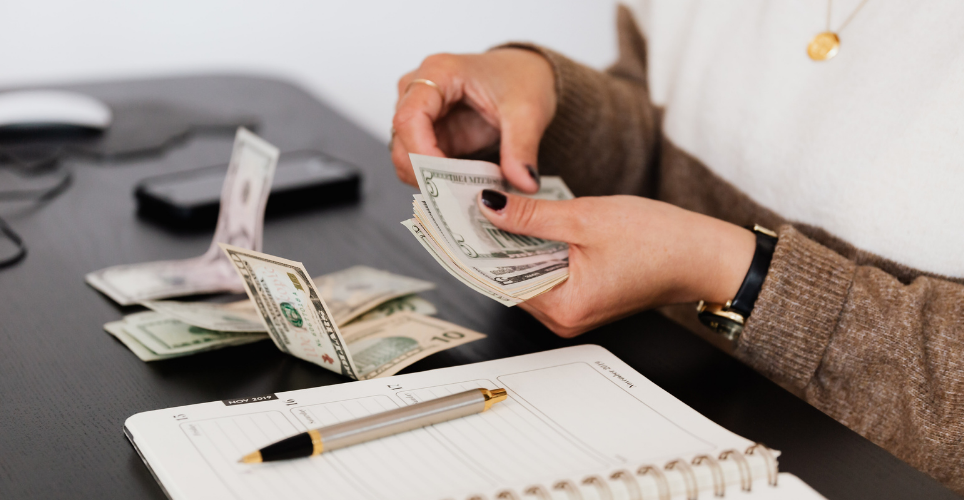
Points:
378	425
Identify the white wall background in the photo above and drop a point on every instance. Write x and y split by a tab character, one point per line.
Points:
349	53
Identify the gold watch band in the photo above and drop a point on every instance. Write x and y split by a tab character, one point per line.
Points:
720	319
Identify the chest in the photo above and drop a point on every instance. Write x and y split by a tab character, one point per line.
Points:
868	145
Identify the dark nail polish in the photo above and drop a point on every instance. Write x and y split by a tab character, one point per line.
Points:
534	174
493	199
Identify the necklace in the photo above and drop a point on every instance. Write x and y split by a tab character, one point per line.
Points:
826	45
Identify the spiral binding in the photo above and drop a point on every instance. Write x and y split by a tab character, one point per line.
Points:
604	491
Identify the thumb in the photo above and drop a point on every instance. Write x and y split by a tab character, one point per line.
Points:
545	219
520	150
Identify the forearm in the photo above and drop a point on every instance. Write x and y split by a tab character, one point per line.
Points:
885	358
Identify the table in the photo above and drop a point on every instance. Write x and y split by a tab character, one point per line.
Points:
66	386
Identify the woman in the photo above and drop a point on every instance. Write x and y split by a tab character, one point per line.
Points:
722	121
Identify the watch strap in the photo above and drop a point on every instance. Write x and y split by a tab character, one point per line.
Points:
745	299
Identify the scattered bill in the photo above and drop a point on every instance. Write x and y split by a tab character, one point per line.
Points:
163	335
238	316
152	337
356	290
347	293
383	347
300	323
116	328
508	267
292	310
408	303
243	199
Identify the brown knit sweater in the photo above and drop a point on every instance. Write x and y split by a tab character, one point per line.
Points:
873	343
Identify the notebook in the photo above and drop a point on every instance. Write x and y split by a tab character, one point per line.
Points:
578	424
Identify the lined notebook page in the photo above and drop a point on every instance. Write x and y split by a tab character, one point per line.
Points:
570	412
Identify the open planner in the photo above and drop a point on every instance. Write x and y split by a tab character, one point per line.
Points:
578	424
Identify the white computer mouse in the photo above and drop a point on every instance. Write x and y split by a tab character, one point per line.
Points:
36	109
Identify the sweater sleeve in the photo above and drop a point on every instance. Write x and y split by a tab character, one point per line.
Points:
604	135
883	357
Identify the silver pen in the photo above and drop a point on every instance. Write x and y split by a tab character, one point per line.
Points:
379	425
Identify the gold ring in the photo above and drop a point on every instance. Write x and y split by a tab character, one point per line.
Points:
428	82
391	141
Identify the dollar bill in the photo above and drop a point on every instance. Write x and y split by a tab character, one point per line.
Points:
238	316
507	267
449	265
408	303
116	328
152	337
240	221
383	347
356	290
292	309
159	335
163	335
300	323
450	188
348	294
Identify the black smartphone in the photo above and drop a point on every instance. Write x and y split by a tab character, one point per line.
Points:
303	179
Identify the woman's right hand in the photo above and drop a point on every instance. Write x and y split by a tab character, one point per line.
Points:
505	95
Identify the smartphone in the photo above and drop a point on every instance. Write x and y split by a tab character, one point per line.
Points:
303	179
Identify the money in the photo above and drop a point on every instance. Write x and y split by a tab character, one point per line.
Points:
238	316
408	303
508	267
353	291
116	328
292	310
348	294
300	323
152	336
240	222
383	347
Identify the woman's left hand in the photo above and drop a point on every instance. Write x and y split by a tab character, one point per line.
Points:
626	254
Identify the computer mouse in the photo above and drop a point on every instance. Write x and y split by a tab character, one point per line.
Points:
30	110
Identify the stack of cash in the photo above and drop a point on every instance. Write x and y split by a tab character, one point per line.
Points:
507	267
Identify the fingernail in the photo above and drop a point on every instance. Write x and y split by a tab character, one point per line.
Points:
534	174
493	199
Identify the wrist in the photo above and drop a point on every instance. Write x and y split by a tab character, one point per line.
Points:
728	318
727	253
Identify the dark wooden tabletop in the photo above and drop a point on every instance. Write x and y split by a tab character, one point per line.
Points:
66	386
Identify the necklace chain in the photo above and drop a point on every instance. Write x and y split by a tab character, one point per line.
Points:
849	18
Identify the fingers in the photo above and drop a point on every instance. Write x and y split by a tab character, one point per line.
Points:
419	107
546	219
521	132
414	126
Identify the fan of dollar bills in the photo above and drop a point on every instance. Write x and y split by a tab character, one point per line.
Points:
507	267
360	322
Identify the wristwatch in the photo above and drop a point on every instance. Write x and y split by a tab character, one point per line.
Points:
728	319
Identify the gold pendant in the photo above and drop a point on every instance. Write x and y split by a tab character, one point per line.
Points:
824	46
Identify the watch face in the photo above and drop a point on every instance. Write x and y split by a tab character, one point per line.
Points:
722	325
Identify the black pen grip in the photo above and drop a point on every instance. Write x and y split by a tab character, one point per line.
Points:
294	447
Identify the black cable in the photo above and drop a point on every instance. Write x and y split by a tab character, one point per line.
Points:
39	195
12	235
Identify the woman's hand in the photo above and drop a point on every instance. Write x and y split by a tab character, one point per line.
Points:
626	254
506	94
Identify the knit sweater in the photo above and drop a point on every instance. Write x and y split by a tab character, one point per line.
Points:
871	341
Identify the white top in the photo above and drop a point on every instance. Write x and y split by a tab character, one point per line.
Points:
868	145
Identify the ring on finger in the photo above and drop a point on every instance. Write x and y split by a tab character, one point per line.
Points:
391	141
428	82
